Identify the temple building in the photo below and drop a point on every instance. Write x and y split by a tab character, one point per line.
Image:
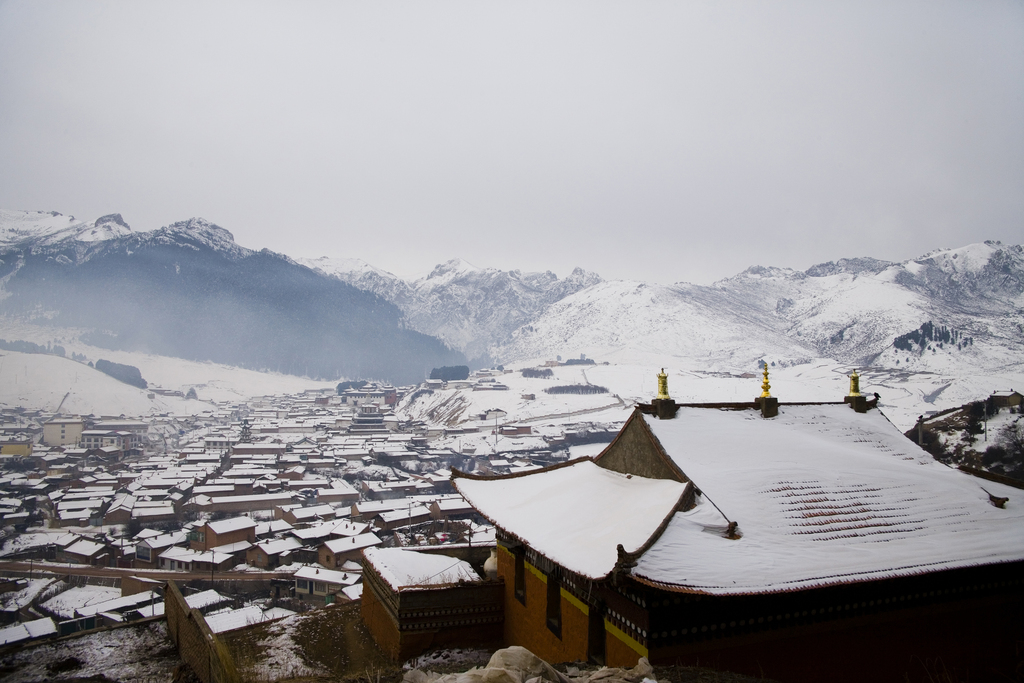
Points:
801	542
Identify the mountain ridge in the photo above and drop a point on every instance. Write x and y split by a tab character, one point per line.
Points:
848	310
188	290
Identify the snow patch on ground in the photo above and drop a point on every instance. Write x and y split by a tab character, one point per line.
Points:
283	659
25	596
134	654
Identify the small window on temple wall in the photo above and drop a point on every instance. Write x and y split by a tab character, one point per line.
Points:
554	605
520	575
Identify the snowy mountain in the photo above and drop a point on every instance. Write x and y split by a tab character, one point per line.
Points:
471	309
949	321
947	324
20	227
950	314
188	290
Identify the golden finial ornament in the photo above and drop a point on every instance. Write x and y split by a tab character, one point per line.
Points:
663	386
765	387
855	383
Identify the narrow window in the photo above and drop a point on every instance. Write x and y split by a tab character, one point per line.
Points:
520	576
596	634
554	605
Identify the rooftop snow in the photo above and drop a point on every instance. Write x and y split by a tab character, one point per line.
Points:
822	495
402	568
566	513
318	573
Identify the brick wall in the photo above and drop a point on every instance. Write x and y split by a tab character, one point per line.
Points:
380	624
526	625
410	622
197	644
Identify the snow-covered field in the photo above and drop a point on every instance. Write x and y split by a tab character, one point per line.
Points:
904	395
39	381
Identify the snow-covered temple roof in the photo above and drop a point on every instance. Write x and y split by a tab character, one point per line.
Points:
820	495
576	515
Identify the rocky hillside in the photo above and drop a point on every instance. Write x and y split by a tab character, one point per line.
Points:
471	309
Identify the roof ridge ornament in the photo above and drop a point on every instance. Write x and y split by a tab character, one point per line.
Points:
663	386
765	386
855	383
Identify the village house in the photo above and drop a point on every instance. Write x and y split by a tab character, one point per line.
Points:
222	532
63	431
414	601
1006	399
297	515
272	553
803	542
85	551
402	517
322	585
335	552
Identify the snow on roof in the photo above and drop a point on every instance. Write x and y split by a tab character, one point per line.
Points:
410	512
116	604
272	527
237	546
318	573
85	548
280	545
822	495
246	616
353	592
157	609
403	568
205	599
164	540
565	514
347	528
234	524
341	545
29	629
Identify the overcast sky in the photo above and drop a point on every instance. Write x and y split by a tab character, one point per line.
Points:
675	141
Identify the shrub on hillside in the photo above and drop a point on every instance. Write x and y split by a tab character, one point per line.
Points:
129	374
448	373
576	389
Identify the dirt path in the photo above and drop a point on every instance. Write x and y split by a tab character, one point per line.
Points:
618	403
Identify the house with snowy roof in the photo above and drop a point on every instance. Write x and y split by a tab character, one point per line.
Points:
318	584
223	532
335	552
272	553
795	541
414	601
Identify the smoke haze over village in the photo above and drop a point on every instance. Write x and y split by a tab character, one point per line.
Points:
663	143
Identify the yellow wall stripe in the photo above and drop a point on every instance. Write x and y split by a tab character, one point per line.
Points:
540	575
575	602
625	637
